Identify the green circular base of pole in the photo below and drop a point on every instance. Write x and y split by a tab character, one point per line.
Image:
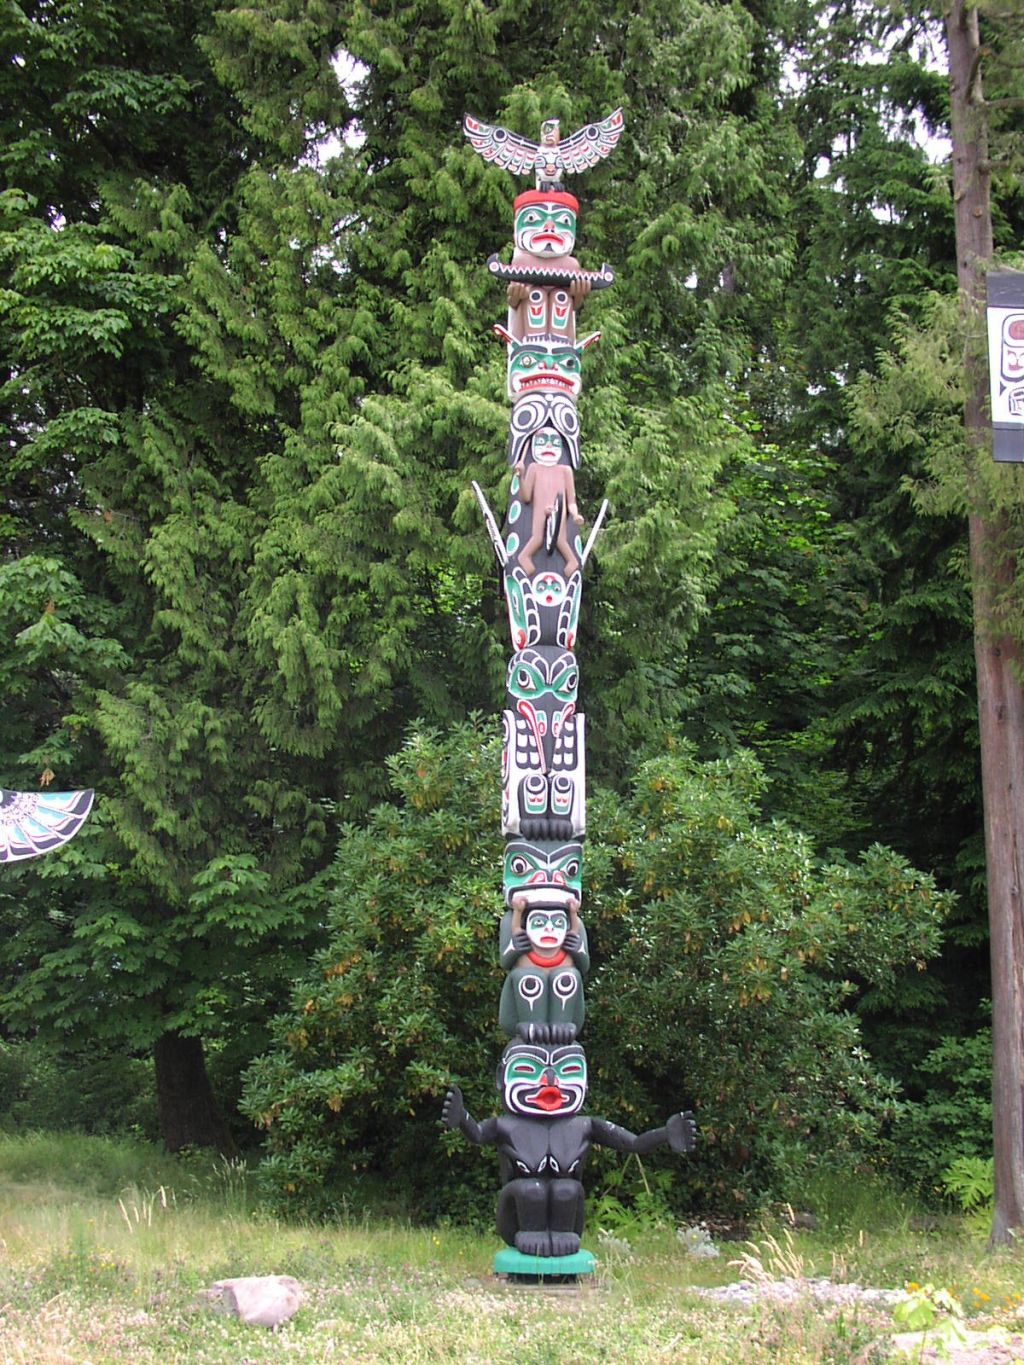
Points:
508	1261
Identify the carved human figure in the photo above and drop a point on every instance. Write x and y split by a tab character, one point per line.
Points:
548	488
543	1140
544	232
544	952
532	413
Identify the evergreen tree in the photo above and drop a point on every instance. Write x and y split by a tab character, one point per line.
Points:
131	499
247	387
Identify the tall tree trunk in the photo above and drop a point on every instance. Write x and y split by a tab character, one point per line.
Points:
997	655
187	1109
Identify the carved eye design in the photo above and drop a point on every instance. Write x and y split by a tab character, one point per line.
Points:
565	986
518	865
565	677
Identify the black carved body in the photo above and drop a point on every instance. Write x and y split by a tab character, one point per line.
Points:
540	1206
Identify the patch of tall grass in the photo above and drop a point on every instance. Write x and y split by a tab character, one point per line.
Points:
106	1246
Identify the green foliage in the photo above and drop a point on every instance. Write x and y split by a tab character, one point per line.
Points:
631	1200
970	1181
935	1311
99	1091
952	1120
245	388
726	957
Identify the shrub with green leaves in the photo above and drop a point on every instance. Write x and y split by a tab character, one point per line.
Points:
726	960
953	1119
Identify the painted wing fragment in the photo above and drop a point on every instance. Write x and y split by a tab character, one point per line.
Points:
507	150
590	144
32	823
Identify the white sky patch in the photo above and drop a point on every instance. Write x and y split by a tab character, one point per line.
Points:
930	51
350	73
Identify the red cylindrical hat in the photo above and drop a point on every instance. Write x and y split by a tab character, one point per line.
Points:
567	201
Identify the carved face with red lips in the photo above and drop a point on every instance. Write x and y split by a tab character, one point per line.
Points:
543	1082
545	223
546	230
546	929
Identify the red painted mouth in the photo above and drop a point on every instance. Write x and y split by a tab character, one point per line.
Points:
548	1098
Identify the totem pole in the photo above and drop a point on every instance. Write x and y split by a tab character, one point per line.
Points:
542	1136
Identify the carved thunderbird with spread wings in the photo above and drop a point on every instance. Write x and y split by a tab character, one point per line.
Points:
553	156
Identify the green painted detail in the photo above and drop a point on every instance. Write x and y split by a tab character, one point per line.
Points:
508	1261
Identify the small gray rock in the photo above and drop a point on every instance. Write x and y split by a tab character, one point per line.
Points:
262	1300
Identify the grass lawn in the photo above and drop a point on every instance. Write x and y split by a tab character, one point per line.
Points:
106	1247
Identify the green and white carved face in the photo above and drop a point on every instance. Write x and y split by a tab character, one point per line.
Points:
544	874
543	674
547	230
538	367
546	929
538	1080
546	446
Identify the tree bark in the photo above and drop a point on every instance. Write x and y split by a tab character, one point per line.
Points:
186	1107
997	655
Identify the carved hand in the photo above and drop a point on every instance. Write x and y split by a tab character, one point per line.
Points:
521	941
453	1112
573	942
682	1132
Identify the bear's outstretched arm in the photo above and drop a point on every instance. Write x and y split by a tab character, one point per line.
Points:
454	1114
679	1132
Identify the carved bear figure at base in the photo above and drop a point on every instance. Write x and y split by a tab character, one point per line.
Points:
543	1140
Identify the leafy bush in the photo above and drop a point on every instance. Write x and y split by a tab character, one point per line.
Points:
971	1182
724	958
954	1118
96	1090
